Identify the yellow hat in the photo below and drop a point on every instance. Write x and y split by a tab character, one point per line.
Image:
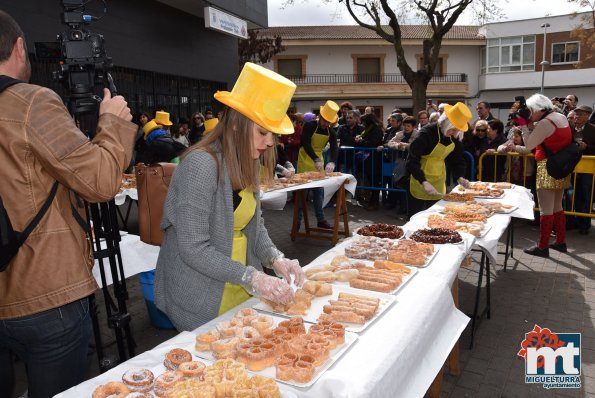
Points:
162	118
210	125
263	96
149	126
459	115
330	111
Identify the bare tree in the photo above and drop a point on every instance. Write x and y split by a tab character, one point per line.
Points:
386	17
585	30
258	49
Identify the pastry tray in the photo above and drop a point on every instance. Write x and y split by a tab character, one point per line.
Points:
386	300
335	354
409	233
184	340
371	265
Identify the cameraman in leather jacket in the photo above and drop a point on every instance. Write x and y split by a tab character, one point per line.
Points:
44	308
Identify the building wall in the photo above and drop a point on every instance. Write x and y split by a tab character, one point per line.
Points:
141	34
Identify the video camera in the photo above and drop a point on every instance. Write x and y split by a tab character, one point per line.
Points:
84	63
522	110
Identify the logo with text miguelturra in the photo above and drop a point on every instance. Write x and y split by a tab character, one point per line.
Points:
552	359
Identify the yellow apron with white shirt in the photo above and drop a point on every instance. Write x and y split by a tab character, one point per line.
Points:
305	162
434	170
234	294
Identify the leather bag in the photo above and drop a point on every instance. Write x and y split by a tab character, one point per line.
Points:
562	163
152	183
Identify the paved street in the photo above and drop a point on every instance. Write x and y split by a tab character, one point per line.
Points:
557	293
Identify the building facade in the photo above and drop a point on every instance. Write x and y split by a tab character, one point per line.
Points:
494	62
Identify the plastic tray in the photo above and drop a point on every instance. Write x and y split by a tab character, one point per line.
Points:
386	300
335	354
371	265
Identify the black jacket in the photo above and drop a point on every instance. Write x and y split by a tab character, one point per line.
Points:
425	144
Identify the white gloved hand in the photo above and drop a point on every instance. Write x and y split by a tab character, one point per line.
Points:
290	169
286	267
286	172
330	167
318	165
463	182
429	188
271	288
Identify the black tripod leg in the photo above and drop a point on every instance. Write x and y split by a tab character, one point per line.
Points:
96	329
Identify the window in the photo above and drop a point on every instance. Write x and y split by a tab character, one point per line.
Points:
439	69
368	70
565	52
508	54
290	68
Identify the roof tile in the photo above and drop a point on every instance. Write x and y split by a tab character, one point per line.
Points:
329	32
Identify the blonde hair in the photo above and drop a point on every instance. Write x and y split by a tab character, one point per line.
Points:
481	122
234	133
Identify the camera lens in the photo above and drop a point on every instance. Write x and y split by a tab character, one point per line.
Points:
76	35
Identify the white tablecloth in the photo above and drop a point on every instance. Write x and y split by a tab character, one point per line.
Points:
519	196
137	257
276	200
120	198
398	356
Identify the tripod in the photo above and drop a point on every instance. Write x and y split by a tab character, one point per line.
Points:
103	222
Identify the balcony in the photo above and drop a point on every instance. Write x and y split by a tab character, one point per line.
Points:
388	85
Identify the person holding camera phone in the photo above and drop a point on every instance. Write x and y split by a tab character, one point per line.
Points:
544	126
44	308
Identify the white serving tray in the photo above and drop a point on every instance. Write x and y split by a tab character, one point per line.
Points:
335	354
370	264
386	300
158	354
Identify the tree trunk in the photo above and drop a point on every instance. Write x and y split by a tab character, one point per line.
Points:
419	86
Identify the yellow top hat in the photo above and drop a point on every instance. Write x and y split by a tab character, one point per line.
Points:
263	96
162	118
459	115
330	111
210	125
149	126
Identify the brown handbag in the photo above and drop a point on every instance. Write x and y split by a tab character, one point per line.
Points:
152	183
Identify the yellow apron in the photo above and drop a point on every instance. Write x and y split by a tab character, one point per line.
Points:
233	294
305	162
434	170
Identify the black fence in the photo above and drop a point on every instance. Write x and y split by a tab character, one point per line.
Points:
371	78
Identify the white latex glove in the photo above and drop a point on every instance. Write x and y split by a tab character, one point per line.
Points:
271	288
286	267
463	182
429	188
290	168
330	167
318	165
286	172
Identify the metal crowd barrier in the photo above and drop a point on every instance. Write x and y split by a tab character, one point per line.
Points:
582	180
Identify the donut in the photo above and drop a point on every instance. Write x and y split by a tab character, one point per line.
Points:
138	380
259	359
165	381
225	344
114	389
247	312
139	395
192	369
436	236
303	371
247	333
225	329
175	357
284	369
262	323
